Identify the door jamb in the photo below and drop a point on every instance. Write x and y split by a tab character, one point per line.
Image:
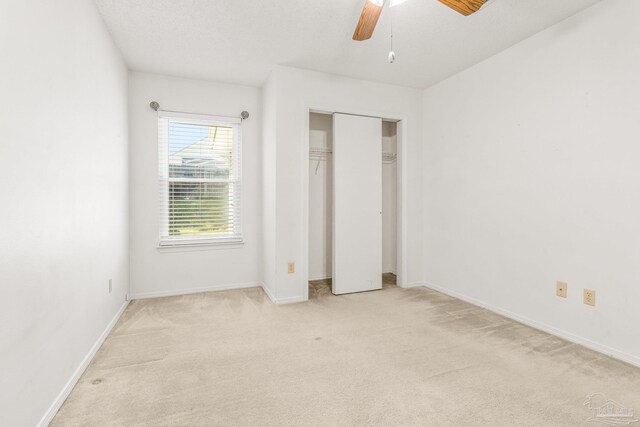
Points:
401	184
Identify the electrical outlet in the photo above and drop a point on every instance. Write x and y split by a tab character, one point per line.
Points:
561	289
291	267
589	297
110	285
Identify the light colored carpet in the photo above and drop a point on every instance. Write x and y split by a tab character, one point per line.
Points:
390	357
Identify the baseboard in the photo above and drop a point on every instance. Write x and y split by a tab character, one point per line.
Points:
214	288
177	292
289	300
57	403
269	294
592	345
414	285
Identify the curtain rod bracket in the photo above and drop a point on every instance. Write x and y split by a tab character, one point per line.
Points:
244	115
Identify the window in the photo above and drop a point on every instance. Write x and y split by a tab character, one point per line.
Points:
200	185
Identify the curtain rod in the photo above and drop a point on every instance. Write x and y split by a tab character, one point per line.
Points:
156	107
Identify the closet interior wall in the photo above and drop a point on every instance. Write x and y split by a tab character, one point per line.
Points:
389	197
320	196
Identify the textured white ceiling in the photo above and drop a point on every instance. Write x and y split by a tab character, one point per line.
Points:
240	41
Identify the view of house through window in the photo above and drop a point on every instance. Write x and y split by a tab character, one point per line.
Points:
199	180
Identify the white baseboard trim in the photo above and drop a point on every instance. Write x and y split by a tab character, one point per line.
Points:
62	396
214	288
269	294
289	300
414	285
177	292
592	345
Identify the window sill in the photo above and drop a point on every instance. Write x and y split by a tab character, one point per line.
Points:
200	246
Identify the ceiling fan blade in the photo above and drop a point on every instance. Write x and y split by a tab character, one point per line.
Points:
368	20
465	7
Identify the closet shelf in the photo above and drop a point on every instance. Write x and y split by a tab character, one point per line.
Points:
323	152
319	152
389	157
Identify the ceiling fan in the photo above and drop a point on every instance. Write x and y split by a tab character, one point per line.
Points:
373	8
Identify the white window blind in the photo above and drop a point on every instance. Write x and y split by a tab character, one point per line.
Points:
200	183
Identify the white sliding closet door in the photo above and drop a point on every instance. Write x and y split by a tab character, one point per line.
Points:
357	203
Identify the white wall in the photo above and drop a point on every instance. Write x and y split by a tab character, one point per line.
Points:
269	166
177	270
531	176
294	93
320	199
63	180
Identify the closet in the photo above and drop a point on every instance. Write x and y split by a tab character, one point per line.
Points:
352	203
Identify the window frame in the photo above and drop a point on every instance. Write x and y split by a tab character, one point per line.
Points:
164	240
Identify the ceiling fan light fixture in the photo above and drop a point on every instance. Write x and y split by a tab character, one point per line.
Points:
396	2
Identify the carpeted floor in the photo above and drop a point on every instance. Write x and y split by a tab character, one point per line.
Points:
389	357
